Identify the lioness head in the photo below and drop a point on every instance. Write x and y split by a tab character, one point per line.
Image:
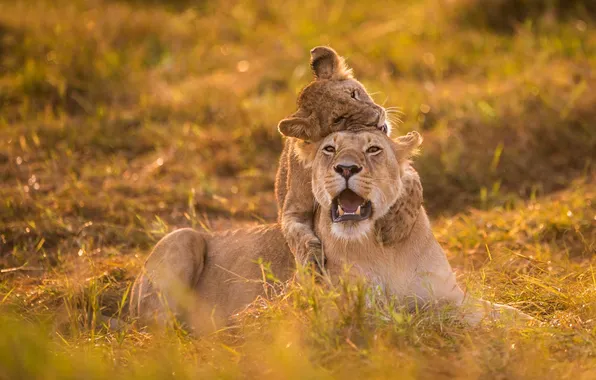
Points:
356	177
334	101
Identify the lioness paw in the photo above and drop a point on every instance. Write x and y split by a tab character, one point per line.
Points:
476	311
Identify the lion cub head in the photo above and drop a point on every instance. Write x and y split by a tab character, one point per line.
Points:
357	177
334	101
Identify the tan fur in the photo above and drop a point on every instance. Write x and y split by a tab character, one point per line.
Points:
206	278
397	224
334	101
203	279
413	265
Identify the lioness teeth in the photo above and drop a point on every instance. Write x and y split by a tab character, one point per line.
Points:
340	210
358	211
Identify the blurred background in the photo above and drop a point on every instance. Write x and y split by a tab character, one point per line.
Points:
133	115
121	120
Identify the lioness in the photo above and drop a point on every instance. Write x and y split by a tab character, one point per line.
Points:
357	178
334	101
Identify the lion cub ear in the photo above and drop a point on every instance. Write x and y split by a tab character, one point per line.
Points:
407	146
299	126
327	64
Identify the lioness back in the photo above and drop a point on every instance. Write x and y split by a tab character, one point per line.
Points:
203	279
234	275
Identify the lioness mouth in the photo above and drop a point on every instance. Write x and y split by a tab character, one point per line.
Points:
350	206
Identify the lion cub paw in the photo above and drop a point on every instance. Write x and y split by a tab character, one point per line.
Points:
312	256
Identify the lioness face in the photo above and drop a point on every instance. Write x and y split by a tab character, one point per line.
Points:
357	177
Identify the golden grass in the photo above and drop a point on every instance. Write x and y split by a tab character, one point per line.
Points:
122	120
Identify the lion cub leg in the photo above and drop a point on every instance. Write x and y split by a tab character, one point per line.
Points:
304	244
397	224
163	290
297	216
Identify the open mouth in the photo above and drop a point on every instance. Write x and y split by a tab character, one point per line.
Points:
350	206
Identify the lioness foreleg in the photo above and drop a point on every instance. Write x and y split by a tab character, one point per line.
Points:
475	310
440	285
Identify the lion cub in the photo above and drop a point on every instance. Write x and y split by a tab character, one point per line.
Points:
334	101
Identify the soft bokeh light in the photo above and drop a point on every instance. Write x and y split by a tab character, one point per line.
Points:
121	120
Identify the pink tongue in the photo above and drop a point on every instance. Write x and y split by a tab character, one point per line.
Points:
349	201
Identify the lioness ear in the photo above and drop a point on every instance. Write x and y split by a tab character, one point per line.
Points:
299	126
327	64
406	146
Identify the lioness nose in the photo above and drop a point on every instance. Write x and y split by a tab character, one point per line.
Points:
347	171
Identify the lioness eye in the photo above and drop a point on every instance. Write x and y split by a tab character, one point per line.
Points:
355	95
338	120
373	149
329	149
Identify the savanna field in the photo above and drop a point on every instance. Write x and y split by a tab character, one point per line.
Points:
121	121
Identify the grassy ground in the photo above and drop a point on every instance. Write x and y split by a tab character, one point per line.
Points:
123	120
